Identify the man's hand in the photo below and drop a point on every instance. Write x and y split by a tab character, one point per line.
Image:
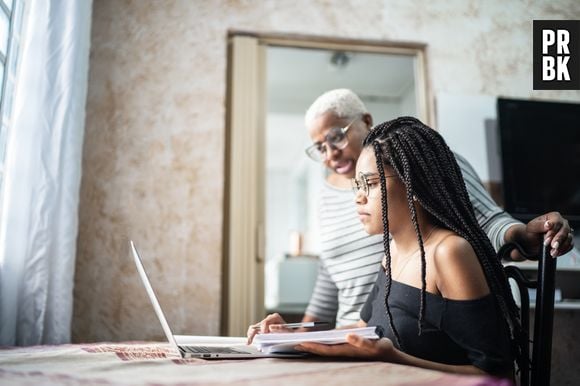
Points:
548	229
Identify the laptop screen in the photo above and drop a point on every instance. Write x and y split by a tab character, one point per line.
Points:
152	297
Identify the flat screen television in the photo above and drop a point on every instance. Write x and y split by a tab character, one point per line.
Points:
540	151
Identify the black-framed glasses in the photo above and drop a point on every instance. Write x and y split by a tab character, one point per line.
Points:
336	138
368	183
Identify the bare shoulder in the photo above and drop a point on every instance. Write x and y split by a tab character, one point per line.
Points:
459	274
453	249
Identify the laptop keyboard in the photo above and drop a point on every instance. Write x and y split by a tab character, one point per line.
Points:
209	350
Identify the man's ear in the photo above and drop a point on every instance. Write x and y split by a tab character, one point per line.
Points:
368	120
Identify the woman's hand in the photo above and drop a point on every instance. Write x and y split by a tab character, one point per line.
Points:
356	347
268	324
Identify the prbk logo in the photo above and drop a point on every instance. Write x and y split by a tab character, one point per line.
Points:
556	54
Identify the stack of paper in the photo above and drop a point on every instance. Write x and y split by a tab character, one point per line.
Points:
285	342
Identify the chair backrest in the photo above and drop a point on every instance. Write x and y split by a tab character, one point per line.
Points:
545	286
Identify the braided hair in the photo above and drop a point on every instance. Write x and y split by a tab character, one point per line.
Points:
428	169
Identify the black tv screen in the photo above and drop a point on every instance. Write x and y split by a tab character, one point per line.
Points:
540	150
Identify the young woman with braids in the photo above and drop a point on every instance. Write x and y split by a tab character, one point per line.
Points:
442	299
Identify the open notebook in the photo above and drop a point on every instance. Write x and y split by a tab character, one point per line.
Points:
284	342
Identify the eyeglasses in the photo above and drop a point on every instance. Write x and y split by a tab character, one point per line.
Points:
369	184
335	139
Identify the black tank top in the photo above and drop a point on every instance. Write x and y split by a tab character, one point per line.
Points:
455	332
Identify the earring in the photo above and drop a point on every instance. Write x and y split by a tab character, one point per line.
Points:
414	198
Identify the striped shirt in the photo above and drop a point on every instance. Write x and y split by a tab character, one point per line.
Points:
350	258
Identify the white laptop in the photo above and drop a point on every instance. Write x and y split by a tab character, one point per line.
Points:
194	350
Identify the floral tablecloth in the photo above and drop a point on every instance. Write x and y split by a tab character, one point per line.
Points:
138	363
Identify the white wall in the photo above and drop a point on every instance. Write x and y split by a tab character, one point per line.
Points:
461	120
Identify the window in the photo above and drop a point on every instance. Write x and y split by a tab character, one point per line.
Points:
10	34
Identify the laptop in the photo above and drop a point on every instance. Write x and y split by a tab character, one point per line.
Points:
238	351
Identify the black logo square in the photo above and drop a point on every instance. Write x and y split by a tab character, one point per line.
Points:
556	54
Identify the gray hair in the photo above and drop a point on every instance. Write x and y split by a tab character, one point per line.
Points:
341	102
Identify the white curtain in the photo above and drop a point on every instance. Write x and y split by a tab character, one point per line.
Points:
39	213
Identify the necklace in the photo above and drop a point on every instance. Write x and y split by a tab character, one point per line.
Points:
410	255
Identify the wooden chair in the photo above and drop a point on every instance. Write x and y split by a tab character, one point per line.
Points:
540	365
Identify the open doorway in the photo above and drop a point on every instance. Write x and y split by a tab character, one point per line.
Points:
270	221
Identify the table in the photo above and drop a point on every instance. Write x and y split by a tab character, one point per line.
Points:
153	363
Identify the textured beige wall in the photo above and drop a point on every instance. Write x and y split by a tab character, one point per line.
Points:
154	144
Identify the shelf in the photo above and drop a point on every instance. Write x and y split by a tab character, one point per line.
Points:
569	262
563	305
533	266
567	277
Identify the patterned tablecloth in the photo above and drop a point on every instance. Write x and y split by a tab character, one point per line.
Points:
137	363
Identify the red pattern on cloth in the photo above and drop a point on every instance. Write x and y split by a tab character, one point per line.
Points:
132	352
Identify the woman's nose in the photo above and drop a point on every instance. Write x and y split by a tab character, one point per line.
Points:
359	197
